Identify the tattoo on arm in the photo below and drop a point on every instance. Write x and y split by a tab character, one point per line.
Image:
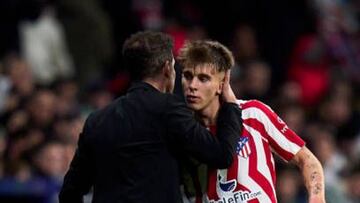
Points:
315	179
312	172
317	188
313	176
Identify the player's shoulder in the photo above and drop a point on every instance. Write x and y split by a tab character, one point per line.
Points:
244	104
254	108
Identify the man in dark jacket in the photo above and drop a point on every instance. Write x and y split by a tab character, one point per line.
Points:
129	150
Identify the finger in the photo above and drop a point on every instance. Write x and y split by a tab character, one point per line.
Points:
227	76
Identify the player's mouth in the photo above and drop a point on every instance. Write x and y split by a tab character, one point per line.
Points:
192	98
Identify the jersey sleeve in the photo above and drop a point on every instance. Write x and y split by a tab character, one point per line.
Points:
285	142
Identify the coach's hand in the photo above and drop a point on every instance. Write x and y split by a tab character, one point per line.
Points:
227	92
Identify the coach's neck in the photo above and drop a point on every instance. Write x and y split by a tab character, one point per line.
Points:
157	82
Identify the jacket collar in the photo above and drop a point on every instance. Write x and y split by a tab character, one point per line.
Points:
141	85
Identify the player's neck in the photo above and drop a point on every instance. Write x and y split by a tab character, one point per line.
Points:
209	114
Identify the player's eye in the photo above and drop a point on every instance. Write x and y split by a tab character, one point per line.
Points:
187	75
204	78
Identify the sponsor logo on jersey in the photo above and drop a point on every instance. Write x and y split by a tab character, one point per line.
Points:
227	194
237	197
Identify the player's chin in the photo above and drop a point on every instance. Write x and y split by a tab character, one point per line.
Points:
193	106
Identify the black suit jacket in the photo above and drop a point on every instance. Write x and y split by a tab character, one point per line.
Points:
128	151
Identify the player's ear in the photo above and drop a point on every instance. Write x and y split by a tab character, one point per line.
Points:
221	84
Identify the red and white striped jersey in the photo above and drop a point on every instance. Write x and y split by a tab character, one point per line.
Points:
251	177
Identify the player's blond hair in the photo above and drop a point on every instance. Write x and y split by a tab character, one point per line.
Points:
203	52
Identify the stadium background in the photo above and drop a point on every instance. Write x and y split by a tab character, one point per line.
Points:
61	60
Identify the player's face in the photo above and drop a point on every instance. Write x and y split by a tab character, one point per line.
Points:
202	86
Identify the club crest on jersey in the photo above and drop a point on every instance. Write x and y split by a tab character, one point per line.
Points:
243	147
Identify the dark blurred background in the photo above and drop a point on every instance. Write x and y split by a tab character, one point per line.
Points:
61	60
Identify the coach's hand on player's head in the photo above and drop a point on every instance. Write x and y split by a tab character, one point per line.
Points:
227	92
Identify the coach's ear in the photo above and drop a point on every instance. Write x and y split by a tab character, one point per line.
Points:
167	69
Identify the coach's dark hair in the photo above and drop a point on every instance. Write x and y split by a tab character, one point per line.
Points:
146	52
206	52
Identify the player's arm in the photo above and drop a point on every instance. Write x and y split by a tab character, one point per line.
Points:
289	146
312	173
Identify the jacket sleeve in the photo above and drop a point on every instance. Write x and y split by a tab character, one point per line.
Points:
216	151
78	179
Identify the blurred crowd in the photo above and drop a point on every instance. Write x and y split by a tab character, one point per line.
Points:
61	60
